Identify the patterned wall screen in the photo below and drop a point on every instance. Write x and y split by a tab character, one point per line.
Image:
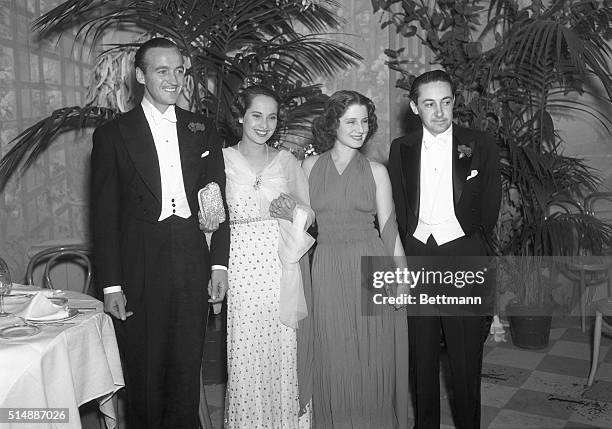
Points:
37	77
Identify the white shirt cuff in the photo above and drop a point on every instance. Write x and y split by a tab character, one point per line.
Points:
112	289
219	267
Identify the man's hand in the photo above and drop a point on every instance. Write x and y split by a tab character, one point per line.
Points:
217	287
208	223
282	207
114	303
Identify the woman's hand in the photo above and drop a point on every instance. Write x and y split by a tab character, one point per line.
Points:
403	290
208	224
282	207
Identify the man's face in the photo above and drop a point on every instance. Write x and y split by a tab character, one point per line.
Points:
163	76
435	106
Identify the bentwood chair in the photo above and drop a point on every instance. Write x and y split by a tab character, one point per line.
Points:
52	256
603	319
599	204
588	267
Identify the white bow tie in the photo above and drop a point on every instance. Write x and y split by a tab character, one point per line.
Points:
433	143
169	115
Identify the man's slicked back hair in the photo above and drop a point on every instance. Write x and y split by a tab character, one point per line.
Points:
158	42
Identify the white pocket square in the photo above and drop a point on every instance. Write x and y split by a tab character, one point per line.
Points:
473	174
205	154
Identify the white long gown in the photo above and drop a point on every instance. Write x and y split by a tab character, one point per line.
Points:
262	387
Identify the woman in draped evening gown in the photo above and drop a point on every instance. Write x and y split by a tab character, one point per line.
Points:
265	187
354	353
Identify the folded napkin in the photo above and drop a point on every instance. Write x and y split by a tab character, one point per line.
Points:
40	308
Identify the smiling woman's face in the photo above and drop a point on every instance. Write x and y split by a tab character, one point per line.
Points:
260	120
353	126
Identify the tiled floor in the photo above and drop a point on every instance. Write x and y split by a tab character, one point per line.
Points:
547	388
524	389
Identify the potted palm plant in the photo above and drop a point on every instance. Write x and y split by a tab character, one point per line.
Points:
530	314
513	73
226	44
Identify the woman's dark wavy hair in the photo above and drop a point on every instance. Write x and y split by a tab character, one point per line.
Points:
243	101
325	127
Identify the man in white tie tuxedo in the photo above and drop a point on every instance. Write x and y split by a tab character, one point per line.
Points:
447	190
150	258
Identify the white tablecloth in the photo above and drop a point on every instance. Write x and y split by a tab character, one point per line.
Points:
63	366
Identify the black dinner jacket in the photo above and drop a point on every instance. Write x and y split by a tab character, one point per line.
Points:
476	201
126	184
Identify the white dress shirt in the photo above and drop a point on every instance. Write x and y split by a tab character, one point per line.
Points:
436	207
163	128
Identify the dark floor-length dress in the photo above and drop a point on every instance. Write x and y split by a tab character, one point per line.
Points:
354	358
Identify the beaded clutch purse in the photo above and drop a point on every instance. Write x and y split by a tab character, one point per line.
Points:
211	203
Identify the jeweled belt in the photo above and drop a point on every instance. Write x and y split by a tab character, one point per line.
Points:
249	220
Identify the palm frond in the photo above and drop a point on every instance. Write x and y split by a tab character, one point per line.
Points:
565	233
535	41
227	43
302	113
29	144
67	14
305	55
189	20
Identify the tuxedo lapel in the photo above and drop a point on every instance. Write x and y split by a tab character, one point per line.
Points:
461	167
141	147
190	148
411	171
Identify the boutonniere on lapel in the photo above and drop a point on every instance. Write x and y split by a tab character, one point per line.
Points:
464	151
194	127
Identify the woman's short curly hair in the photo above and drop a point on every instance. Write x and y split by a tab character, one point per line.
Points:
243	101
325	127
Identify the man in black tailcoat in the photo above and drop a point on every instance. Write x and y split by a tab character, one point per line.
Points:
149	255
447	192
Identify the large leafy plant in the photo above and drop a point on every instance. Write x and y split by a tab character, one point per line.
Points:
514	71
227	43
525	63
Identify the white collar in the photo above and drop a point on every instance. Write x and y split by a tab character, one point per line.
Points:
446	138
151	111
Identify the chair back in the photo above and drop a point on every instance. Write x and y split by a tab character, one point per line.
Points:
52	256
563	205
71	254
599	204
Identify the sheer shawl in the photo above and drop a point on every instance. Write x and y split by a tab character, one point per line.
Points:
294	242
305	345
390	235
